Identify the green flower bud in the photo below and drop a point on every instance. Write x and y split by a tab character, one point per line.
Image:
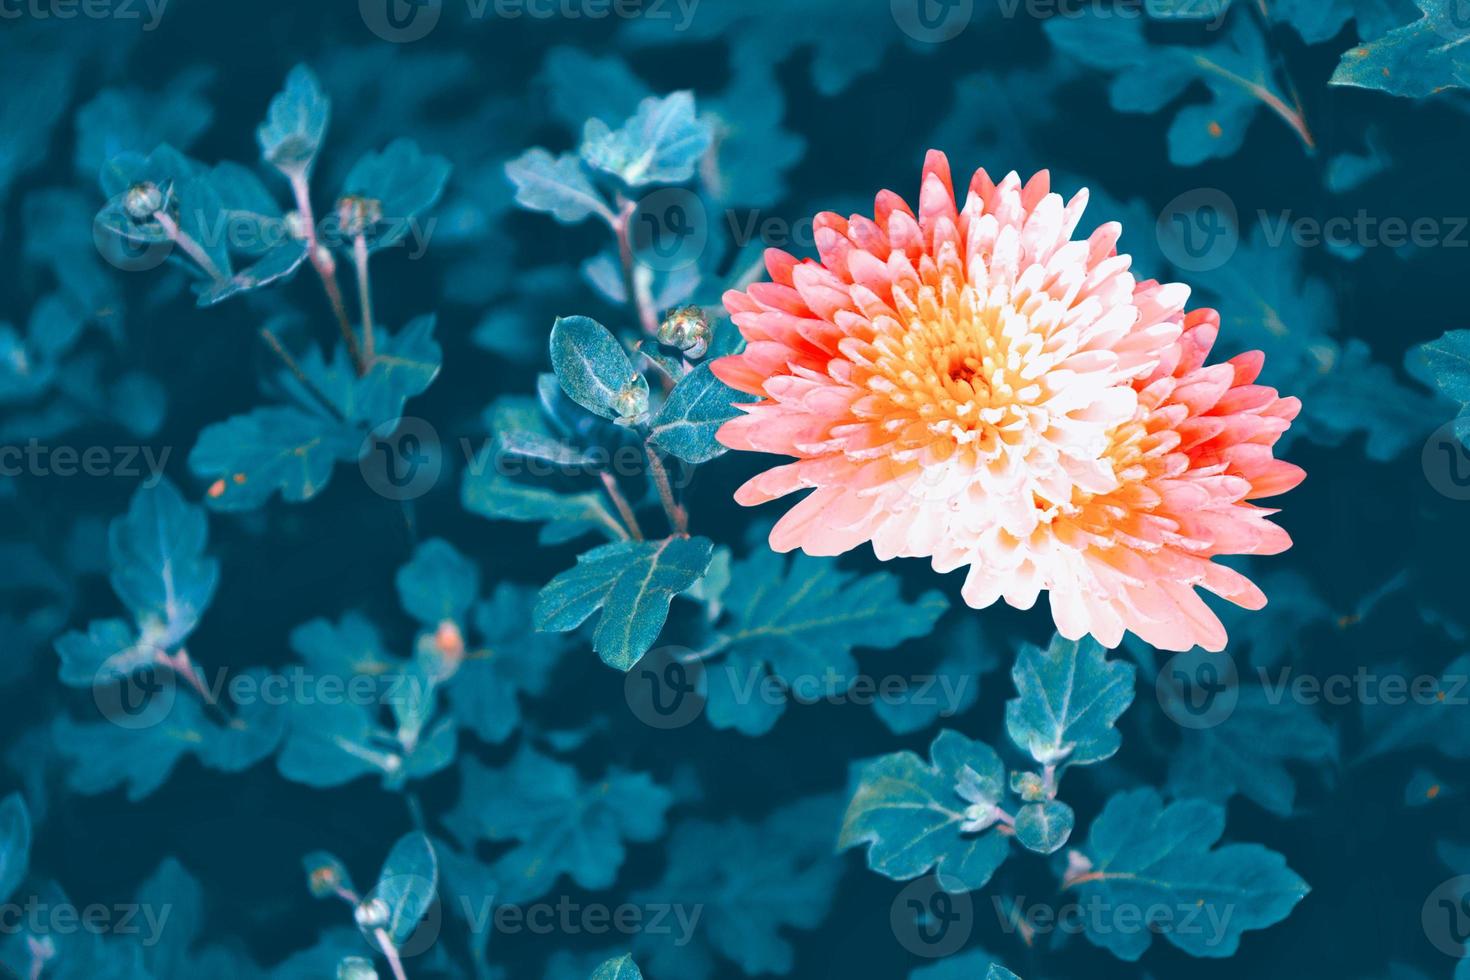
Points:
632	402
686	328
358	214
356	968
372	914
143	201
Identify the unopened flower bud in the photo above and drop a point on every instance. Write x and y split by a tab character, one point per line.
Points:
358	214
632	402
143	201
356	968
372	914
686	328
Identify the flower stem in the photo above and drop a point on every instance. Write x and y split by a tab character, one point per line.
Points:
326	269
274	343
637	291
677	515
391	952
621	503
189	245
364	297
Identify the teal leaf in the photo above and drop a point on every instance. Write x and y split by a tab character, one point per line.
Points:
594	370
295	124
159	568
633	583
1070	696
1235	68
1416	60
291	449
285	450
15	844
121	120
1447	363
662	143
512	659
799	622
760	891
1144	855
407	884
1248	752
109	646
686	424
557	185
1268	304
438	584
404	181
915	816
971	964
103	757
998	972
581	86
622	968
1044	827
1431	717
338	737
559	824
948	688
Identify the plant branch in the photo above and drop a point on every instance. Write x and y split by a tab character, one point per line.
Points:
677	515
364	297
637	291
621	503
274	343
326	269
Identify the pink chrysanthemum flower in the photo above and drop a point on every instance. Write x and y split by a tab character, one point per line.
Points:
973	386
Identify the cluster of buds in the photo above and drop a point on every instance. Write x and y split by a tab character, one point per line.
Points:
686	328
